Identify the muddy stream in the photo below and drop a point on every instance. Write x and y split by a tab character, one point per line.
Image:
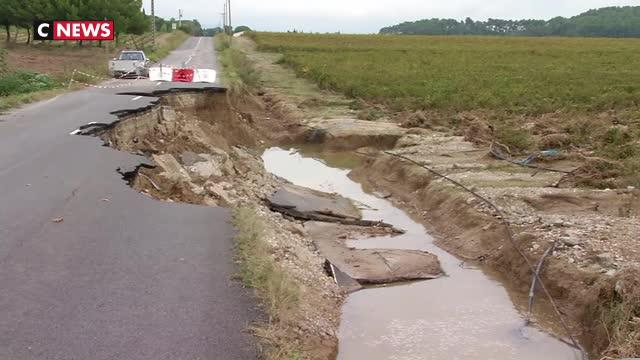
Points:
467	314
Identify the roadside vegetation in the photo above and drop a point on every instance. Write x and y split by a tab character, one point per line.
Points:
277	292
34	69
620	320
238	74
530	94
20	82
37	71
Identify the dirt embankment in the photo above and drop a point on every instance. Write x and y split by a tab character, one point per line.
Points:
593	273
204	149
592	289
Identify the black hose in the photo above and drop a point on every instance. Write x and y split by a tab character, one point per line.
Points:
511	239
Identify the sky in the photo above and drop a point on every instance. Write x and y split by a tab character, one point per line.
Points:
367	16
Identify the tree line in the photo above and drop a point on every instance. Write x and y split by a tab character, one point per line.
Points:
128	15
604	22
229	30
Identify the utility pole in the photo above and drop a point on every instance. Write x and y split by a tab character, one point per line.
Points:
229	12
224	18
153	25
179	17
230	26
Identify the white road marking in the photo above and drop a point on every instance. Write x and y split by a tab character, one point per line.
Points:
193	53
136	98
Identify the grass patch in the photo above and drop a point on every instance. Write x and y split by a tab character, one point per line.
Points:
617	317
22	87
11	101
21	82
517	139
277	292
238	71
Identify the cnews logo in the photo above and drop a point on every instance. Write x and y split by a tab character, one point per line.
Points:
73	30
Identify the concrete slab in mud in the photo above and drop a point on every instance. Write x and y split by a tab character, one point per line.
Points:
371	266
348	134
313	204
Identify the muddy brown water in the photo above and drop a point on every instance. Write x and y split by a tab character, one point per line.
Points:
468	314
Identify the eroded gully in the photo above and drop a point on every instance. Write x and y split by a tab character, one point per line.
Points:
467	314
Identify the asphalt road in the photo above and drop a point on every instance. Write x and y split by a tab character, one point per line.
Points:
123	276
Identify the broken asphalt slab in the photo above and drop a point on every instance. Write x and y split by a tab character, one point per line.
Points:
332	218
313	203
371	266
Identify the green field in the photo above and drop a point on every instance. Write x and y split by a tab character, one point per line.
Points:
518	74
578	95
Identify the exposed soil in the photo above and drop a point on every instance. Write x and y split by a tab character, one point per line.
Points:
57	62
203	150
577	274
205	147
593	273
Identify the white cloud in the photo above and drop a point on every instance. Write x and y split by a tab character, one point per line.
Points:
367	16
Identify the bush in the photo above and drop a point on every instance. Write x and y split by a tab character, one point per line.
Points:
22	82
517	139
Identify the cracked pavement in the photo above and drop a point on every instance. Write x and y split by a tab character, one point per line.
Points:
91	269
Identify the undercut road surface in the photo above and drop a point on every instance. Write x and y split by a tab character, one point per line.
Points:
92	270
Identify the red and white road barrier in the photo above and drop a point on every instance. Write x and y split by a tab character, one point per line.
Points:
182	75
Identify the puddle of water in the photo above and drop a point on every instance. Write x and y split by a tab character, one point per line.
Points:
465	315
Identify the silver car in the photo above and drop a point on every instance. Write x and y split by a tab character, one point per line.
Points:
130	63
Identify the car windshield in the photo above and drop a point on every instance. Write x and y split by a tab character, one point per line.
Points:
131	56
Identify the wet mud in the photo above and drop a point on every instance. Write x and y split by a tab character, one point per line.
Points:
468	313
